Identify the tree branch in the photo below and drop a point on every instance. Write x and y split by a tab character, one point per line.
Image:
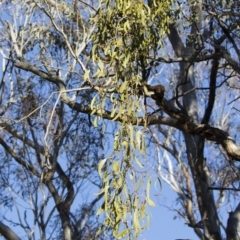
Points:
187	58
212	92
180	120
8	233
18	159
175	40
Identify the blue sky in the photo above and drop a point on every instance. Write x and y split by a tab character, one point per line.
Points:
163	226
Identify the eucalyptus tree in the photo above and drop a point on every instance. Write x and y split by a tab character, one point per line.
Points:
127	86
49	152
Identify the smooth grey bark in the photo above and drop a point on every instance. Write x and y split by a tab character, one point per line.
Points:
233	224
8	233
195	144
197	163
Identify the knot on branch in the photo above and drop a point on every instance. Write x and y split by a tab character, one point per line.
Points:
158	92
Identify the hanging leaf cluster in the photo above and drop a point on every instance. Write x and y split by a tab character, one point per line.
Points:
127	33
124	208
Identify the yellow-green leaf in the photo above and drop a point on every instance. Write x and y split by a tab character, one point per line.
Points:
93	101
148	200
126	26
123	87
136	224
86	75
143	147
95	122
138	139
135	202
93	111
138	163
119	113
115	167
119	42
146	91
113	112
99	211
100	166
122	234
131	136
126	60
139	184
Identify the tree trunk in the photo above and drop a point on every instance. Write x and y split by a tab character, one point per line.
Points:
233	224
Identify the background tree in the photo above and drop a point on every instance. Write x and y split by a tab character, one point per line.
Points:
158	80
49	153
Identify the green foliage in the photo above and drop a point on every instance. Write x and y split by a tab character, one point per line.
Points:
127	33
125	209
